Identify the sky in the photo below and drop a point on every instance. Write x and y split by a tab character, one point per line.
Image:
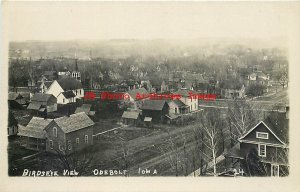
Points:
145	20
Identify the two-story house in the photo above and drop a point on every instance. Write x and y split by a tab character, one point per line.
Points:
61	135
188	100
267	141
66	90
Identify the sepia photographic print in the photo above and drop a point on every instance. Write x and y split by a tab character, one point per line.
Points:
195	90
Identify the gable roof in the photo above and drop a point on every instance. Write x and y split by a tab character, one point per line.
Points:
68	94
14	96
35	128
177	102
69	84
184	92
74	122
86	108
141	91
269	126
130	114
41	97
34	106
153	105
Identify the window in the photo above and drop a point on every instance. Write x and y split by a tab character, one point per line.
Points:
86	138
77	141
60	146
69	145
63	100
54	132
275	170
51	144
80	91
195	106
262	135
262	150
175	109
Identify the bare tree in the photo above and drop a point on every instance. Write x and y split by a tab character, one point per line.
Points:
242	114
211	124
64	159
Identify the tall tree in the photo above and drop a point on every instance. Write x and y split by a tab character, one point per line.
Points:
211	123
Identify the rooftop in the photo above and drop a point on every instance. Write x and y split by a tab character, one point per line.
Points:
41	97
74	122
35	128
141	91
130	114
69	84
153	105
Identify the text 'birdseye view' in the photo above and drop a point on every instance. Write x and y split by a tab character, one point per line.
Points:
147	108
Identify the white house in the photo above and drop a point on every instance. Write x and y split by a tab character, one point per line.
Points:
66	90
188	100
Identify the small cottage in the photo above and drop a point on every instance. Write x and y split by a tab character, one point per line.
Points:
131	118
156	109
41	102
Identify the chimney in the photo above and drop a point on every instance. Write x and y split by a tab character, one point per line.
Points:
45	114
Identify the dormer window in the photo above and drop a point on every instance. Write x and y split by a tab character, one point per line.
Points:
262	135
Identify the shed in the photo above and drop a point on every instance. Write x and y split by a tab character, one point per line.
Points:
131	118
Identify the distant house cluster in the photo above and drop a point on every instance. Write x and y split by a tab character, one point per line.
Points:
145	111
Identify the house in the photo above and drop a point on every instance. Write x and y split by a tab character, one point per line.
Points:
177	107
41	102
127	85
43	85
131	118
65	73
66	90
133	99
12	128
16	100
33	135
194	81
232	90
69	134
61	135
267	142
159	86
188	100
86	108
258	77
156	109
